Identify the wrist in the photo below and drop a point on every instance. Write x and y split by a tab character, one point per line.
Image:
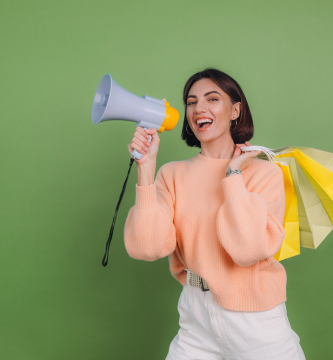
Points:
232	171
146	173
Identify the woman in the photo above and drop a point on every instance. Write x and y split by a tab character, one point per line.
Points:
218	216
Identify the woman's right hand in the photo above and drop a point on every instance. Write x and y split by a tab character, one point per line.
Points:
141	144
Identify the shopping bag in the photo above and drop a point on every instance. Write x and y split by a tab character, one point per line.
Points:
312	178
291	242
319	171
314	222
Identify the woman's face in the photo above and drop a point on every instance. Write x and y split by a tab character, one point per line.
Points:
207	101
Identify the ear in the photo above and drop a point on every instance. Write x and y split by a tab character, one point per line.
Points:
236	108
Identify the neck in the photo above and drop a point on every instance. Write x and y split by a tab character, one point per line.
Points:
219	148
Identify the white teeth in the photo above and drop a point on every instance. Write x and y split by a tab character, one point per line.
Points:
203	121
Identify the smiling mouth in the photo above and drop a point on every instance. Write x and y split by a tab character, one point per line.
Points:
203	124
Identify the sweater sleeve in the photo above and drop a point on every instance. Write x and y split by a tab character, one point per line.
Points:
250	224
149	232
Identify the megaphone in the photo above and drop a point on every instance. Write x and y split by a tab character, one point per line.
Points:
113	102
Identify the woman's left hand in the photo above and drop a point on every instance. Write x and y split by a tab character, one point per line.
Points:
241	160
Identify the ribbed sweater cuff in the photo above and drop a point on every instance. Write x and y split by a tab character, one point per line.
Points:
234	187
145	197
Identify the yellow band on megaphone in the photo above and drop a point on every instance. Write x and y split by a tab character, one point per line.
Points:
171	118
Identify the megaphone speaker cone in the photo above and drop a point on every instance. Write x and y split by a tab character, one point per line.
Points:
101	98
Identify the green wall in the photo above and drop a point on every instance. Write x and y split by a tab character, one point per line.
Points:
61	176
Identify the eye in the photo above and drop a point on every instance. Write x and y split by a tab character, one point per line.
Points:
191	103
213	99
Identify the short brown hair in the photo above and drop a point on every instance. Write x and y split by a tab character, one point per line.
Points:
244	130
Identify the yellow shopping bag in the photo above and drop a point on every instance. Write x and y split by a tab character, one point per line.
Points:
291	243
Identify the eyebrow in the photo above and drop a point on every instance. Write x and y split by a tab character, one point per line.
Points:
208	93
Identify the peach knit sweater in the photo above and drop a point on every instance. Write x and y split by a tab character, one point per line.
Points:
225	229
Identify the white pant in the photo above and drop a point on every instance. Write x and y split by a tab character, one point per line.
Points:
208	331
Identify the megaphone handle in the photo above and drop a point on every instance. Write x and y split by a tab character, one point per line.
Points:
135	154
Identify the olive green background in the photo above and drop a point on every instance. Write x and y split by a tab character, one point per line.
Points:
61	176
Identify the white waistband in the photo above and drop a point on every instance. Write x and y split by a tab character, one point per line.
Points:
188	276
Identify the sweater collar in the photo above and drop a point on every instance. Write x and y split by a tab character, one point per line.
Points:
210	161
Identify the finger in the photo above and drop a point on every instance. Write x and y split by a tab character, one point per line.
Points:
131	148
242	145
139	146
141	130
236	153
246	144
148	135
141	134
152	132
254	153
154	135
140	139
250	153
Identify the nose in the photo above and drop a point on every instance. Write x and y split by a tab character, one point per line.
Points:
200	107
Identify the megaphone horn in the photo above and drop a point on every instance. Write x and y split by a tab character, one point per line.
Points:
113	102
